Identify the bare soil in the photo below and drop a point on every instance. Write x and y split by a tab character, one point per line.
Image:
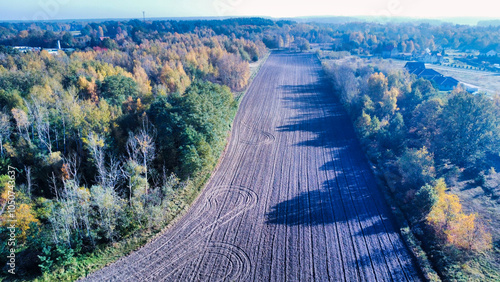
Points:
293	199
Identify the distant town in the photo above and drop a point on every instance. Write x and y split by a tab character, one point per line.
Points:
52	51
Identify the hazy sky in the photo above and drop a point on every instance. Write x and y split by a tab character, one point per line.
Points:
78	9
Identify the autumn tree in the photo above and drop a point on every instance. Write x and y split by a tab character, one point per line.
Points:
367	125
142	79
453	225
22	123
89	88
419	91
174	77
233	71
71	214
377	86
24	214
25	217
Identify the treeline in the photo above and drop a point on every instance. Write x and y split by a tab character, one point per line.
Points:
421	143
109	142
409	37
109	33
355	37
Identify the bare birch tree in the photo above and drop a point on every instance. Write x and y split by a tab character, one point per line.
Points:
22	123
5	130
38	111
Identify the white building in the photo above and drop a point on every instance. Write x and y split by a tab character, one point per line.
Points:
491	53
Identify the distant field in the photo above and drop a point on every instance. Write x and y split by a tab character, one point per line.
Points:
485	81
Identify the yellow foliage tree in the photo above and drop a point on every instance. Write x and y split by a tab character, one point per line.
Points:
460	231
377	86
4	192
364	124
445	209
89	87
174	80
390	99
142	79
452	224
25	217
233	71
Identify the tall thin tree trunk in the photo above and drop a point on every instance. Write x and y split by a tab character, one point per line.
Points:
28	179
64	136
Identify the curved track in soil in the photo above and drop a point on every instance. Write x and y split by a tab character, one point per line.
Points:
292	200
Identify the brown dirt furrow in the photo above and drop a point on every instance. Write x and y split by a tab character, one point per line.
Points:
293	198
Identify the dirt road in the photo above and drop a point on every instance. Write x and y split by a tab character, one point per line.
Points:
292	200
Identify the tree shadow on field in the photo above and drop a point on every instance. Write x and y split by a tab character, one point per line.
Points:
319	120
307	208
318	112
325	206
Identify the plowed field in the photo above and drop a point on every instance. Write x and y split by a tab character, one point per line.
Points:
293	198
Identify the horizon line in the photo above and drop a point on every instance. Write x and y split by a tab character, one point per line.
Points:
387	18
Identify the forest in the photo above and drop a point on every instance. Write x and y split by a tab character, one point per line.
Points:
104	144
116	138
355	37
